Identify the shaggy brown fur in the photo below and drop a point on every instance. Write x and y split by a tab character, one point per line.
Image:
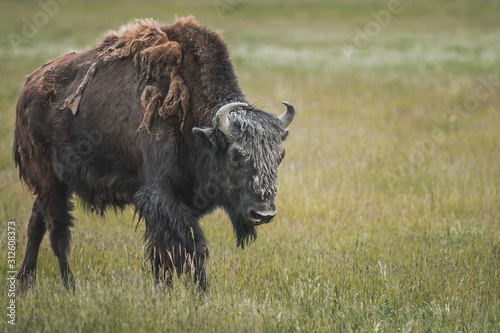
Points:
156	57
151	101
131	39
49	87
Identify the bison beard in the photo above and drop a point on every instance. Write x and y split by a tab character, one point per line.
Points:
153	116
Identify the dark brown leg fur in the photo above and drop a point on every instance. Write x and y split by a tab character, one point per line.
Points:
59	220
50	212
36	231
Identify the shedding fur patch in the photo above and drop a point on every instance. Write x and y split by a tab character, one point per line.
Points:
49	86
151	100
156	57
73	100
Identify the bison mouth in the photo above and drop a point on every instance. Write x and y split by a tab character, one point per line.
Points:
247	217
256	219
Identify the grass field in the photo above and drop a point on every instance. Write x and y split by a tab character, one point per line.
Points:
389	203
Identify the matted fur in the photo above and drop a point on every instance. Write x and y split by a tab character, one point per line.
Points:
155	57
131	39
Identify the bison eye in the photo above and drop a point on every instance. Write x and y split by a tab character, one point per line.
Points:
237	157
282	156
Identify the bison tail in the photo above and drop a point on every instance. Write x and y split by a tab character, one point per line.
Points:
15	151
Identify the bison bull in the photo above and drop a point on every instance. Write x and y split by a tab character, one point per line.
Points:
153	116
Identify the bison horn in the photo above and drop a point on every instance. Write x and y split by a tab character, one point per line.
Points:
287	116
222	120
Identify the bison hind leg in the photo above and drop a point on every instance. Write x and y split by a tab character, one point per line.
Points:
57	206
36	231
50	212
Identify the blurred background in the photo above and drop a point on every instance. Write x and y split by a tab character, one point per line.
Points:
389	192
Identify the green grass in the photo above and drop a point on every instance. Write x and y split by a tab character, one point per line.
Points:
383	224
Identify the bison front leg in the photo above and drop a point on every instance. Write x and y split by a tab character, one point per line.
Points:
199	257
176	243
181	250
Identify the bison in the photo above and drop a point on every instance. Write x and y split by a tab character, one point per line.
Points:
153	117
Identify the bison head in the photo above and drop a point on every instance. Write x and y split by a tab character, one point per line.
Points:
246	150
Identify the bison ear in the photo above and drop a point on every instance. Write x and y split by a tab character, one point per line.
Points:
284	135
206	135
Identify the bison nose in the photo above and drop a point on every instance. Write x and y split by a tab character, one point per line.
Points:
260	217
